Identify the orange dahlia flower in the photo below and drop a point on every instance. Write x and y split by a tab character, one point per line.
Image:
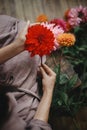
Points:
68	27
42	18
66	39
66	14
39	40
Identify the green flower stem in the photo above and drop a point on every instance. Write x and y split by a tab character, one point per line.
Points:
58	67
84	71
54	59
75	124
41	61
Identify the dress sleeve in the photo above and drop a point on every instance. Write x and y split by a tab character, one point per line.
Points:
9	28
36	124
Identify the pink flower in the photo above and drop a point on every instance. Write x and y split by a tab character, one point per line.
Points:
56	30
82	13
77	15
74	20
59	22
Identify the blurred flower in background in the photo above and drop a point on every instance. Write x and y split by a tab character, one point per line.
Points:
76	16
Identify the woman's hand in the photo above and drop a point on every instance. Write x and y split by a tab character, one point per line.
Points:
48	78
22	35
48	82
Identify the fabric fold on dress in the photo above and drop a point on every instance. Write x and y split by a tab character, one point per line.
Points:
36	124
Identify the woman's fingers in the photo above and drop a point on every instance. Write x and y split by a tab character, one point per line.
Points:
43	72
26	26
48	70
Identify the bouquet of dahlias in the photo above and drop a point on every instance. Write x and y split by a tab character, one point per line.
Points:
72	29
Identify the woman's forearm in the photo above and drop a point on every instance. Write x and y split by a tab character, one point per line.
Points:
42	112
16	47
10	51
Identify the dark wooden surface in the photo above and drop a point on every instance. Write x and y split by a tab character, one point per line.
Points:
30	9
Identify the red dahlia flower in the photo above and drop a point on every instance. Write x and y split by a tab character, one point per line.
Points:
39	40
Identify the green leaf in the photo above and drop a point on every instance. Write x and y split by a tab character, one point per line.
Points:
63	98
57	71
63	79
77	29
84	86
72	82
70	101
59	103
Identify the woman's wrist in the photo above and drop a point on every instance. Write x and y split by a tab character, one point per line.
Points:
48	93
43	109
19	44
